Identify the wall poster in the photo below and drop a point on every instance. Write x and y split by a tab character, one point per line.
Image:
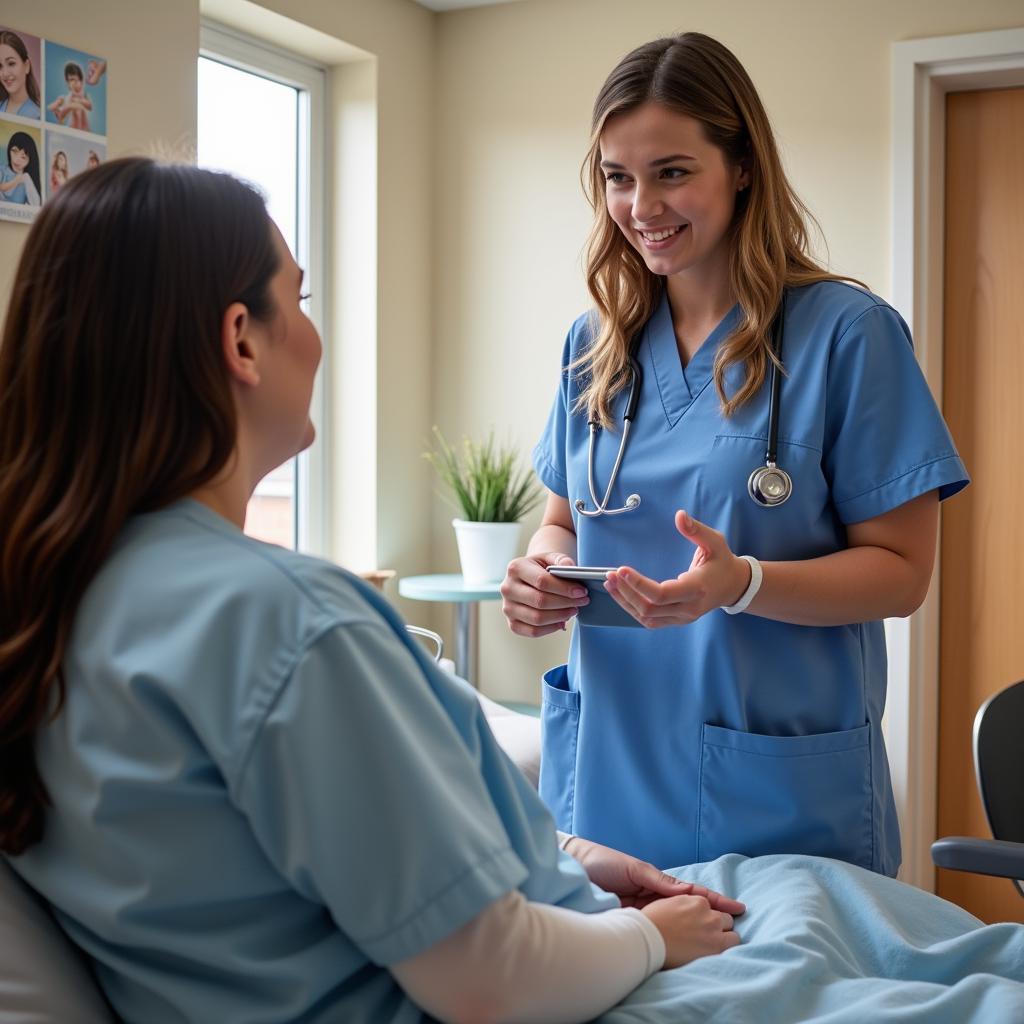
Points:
53	119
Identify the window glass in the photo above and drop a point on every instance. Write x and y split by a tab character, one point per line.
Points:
249	125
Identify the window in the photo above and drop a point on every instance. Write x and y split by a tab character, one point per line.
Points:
260	117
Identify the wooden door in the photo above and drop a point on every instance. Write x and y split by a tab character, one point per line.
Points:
982	591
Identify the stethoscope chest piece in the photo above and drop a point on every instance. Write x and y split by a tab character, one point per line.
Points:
769	486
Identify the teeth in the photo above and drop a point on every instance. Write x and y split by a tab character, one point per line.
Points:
660	236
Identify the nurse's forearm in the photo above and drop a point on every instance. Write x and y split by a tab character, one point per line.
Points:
884	572
553	538
859	584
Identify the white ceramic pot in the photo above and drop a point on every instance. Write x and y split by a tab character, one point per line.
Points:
485	549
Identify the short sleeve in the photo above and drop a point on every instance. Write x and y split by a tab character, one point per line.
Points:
549	456
885	440
365	796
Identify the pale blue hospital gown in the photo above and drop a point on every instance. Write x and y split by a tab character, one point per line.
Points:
264	793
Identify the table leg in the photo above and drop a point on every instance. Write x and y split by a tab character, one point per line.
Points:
466	660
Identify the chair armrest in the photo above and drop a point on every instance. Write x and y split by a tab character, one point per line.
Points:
982	856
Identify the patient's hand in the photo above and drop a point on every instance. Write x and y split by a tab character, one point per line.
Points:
691	929
636	882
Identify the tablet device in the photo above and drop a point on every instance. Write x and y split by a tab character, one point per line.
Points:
603	609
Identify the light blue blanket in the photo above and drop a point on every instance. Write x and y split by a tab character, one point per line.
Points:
831	943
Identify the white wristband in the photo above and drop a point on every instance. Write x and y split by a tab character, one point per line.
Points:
756	576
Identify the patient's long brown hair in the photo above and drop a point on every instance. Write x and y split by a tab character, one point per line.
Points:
114	400
695	75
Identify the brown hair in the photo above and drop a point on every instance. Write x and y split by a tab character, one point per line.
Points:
17	44
114	400
694	75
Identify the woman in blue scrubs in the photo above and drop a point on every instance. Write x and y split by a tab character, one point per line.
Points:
746	715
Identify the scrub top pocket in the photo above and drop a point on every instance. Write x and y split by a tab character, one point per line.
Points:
786	794
559	722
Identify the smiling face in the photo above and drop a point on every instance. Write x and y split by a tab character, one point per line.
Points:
13	75
18	159
671	193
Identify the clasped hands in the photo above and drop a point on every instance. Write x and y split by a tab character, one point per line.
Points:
636	882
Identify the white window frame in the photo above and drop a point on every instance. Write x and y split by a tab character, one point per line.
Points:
235	49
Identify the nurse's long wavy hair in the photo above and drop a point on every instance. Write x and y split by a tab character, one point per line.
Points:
694	75
114	400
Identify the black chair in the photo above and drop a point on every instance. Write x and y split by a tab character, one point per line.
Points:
999	764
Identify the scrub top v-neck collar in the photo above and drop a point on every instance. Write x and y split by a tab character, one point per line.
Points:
679	387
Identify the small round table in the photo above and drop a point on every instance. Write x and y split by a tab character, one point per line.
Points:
466	597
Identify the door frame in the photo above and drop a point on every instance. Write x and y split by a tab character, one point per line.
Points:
923	72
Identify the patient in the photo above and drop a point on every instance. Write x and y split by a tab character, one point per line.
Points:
245	793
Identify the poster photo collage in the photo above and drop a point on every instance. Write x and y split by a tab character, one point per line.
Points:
53	119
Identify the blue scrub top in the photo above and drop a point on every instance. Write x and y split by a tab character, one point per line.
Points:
264	793
16	195
737	733
29	108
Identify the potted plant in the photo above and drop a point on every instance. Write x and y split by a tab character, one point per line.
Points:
492	493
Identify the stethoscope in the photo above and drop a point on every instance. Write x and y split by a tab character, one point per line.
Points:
768	485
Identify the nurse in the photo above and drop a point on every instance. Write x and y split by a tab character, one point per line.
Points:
746	715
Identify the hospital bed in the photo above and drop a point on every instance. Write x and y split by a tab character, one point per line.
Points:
823	942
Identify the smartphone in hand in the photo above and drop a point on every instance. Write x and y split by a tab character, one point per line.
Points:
603	609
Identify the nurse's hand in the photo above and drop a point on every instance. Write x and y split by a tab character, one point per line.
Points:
534	602
716	577
636	882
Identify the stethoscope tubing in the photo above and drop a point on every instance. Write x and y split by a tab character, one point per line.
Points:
601	507
768	485
775	386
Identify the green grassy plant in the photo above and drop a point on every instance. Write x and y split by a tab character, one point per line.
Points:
484	482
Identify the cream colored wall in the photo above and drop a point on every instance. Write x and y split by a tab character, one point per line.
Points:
514	90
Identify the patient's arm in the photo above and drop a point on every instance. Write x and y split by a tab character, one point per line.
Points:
532	963
525	962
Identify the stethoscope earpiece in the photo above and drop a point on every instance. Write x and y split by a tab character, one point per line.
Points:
631	503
